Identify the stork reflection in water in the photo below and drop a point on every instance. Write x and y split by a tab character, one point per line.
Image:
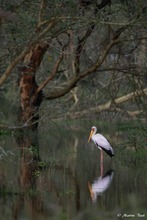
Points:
100	185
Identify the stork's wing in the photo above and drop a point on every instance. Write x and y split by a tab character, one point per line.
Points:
102	141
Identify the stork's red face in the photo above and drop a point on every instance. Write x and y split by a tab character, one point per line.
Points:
91	133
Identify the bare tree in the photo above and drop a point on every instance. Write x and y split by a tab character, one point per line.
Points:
96	35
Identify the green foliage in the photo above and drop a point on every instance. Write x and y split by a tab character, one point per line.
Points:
42	164
36	173
5	132
32	150
135	134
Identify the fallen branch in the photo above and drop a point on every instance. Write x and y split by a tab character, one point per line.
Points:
116	101
108	105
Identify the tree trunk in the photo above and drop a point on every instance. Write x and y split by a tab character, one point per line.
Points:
30	99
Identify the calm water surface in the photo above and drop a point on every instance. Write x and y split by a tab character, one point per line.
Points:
64	179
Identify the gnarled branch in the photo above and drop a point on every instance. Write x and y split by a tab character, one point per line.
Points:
25	51
76	78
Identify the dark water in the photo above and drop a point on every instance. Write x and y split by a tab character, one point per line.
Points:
64	179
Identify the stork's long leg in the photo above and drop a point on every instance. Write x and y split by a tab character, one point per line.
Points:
101	162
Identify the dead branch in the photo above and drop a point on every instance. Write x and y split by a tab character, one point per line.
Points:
116	101
42	5
79	48
51	76
27	124
41	22
76	78
132	114
107	106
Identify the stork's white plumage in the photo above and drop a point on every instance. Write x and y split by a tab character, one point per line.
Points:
101	142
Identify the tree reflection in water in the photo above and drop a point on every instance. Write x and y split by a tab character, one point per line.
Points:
29	158
35	180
